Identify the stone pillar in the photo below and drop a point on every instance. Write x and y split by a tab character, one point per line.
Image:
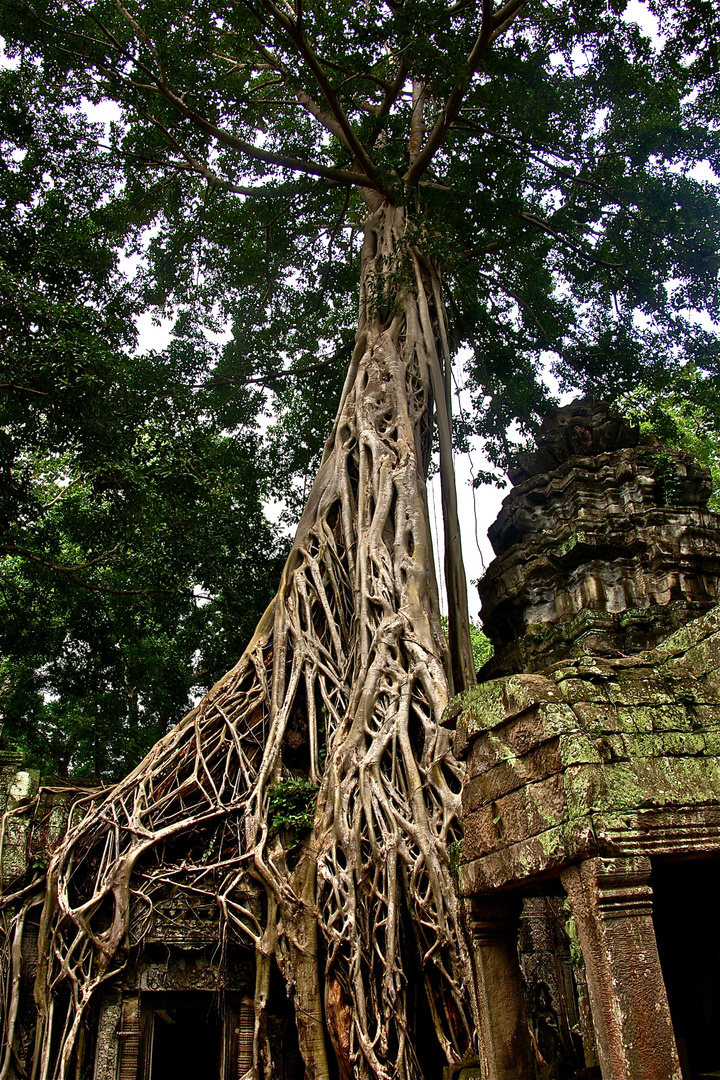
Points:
611	901
505	1037
129	1064
18	787
106	1046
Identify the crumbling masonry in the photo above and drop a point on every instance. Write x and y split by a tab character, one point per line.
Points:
592	791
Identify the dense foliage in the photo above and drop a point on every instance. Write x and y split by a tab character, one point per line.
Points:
135	556
520	180
563	205
684	415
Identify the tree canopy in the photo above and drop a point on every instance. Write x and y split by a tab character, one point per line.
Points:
553	178
549	155
135	555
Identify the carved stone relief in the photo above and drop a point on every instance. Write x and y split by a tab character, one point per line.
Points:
605	544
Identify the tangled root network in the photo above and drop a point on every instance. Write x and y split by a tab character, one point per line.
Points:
344	683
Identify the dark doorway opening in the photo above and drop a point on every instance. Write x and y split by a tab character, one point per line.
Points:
282	1030
687	928
186	1041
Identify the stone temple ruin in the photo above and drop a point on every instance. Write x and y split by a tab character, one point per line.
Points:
173	1010
591	858
170	1011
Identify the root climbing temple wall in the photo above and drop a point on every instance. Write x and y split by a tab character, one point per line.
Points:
591	803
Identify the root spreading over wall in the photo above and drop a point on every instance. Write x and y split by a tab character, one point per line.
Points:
345	682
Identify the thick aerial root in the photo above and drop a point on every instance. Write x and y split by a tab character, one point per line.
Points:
345	682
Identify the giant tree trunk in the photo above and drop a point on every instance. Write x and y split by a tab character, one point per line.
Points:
345	680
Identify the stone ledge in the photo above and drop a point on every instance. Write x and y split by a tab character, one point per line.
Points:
11	758
528	863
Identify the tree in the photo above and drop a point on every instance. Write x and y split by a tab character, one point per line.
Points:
685	416
520	178
127	512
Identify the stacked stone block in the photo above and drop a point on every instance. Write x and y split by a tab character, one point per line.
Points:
594	756
604	544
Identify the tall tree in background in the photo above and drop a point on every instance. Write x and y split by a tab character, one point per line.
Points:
134	558
519	178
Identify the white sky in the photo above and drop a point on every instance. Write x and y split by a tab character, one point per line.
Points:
482	504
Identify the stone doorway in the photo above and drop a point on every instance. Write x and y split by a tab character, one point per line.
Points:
186	1044
183	1037
687	928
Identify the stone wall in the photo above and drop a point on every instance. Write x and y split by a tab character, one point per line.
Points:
18	787
604	544
179	969
594	756
593	762
34	815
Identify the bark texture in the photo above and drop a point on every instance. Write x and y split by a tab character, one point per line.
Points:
345	681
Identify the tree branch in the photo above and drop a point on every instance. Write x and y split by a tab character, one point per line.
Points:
23	389
547	228
160	84
305	50
492	26
290	373
192	164
324	118
417	120
71	571
226	138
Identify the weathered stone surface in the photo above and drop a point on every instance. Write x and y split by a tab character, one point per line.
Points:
605	753
503	1014
520	735
605	551
511	773
106	1054
37	815
501	699
611	902
556	990
535	859
552	780
17	788
584	429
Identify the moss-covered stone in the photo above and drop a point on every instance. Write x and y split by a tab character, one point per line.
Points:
712	743
569	543
668	717
574	690
639	692
700	659
626	745
520	735
661	744
496	703
683	639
